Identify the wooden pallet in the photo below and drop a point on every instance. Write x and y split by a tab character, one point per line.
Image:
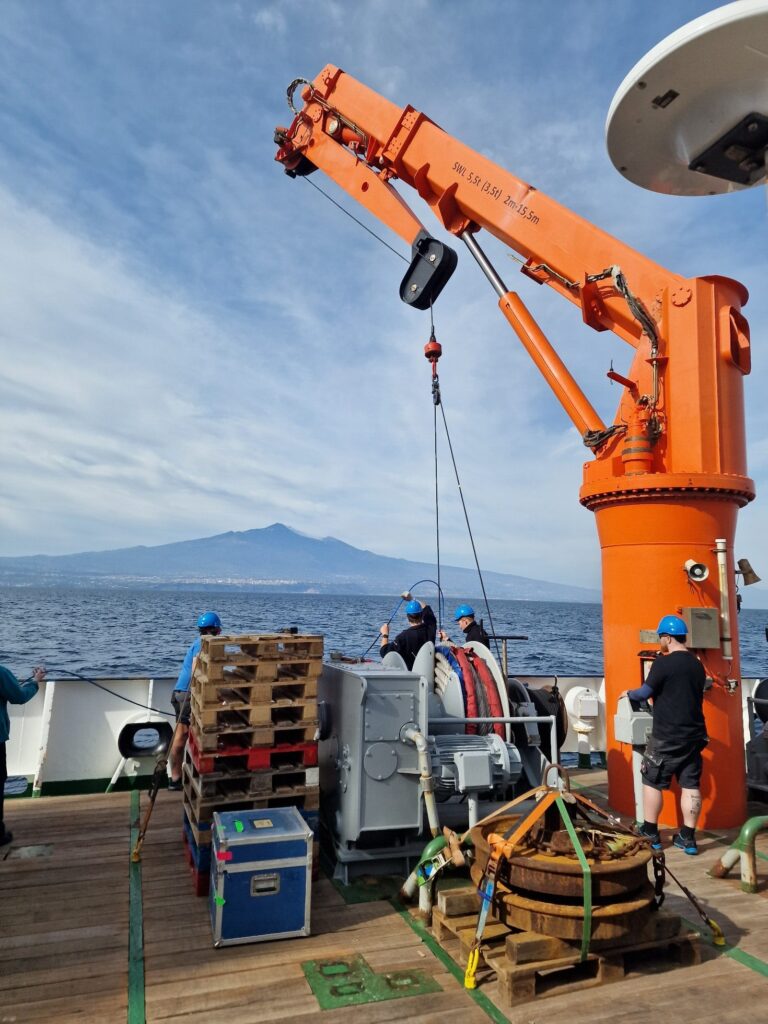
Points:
250	759
234	718
230	782
200	810
244	737
233	691
253	648
529	965
200	831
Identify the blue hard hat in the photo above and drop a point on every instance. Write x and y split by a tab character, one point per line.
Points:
464	611
209	620
672	625
413	608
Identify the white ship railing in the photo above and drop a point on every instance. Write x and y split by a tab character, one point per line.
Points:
65	738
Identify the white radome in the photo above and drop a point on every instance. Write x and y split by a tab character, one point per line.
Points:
683	97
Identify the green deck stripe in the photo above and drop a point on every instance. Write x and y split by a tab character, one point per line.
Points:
136	1010
754	963
448	962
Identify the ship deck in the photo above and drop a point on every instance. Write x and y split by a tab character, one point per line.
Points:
80	942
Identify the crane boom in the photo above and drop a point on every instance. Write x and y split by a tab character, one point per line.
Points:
668	476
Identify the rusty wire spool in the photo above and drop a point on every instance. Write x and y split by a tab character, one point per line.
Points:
540	884
611	921
618	869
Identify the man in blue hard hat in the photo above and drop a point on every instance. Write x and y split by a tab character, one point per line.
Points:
465	616
422	629
209	624
676	684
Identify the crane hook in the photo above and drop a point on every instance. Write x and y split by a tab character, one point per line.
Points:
433	350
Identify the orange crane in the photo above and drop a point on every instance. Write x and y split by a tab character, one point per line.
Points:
667	477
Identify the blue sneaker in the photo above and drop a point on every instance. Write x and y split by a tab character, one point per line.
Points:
686	845
654	839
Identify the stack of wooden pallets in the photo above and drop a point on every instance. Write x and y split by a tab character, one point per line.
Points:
253	733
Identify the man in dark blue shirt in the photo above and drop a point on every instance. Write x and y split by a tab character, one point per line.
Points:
422	629
676	685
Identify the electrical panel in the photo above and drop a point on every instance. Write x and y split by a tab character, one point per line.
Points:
703	628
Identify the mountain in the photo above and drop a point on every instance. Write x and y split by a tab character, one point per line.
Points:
275	558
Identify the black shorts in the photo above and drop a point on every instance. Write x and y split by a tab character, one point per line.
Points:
664	761
180	704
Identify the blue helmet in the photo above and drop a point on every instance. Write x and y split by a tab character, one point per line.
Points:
413	608
672	625
464	611
209	620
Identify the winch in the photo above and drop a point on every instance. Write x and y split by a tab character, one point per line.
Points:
393	744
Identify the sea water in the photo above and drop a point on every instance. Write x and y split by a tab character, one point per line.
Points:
114	632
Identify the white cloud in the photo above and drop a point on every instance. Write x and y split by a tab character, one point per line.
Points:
193	342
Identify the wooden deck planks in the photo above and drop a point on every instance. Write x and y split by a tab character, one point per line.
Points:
64	939
264	982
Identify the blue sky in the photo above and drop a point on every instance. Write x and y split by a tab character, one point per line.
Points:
193	342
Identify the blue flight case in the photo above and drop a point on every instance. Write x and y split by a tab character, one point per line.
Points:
261	875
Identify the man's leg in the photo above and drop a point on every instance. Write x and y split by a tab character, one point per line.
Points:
652	801
690	805
177	751
689	777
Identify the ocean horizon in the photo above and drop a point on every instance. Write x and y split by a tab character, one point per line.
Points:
129	631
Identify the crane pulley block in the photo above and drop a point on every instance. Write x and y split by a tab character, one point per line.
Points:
432	263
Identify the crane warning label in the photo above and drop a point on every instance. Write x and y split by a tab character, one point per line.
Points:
496	192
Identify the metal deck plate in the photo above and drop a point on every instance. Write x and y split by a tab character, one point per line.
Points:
351	982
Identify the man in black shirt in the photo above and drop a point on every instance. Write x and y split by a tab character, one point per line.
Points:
422	629
465	616
676	686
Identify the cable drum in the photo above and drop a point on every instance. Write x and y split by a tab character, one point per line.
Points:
449	685
549	701
483	703
761	693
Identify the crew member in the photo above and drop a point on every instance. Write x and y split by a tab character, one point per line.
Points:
465	616
422	629
209	624
12	692
676	684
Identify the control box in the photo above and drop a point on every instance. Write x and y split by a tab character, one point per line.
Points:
703	629
632	722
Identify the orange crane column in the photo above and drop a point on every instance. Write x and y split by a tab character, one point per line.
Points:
651	519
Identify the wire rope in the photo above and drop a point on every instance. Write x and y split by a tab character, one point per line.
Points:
469	531
352	217
87	679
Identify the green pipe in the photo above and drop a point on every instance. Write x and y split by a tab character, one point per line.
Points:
749	830
743	849
431	850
